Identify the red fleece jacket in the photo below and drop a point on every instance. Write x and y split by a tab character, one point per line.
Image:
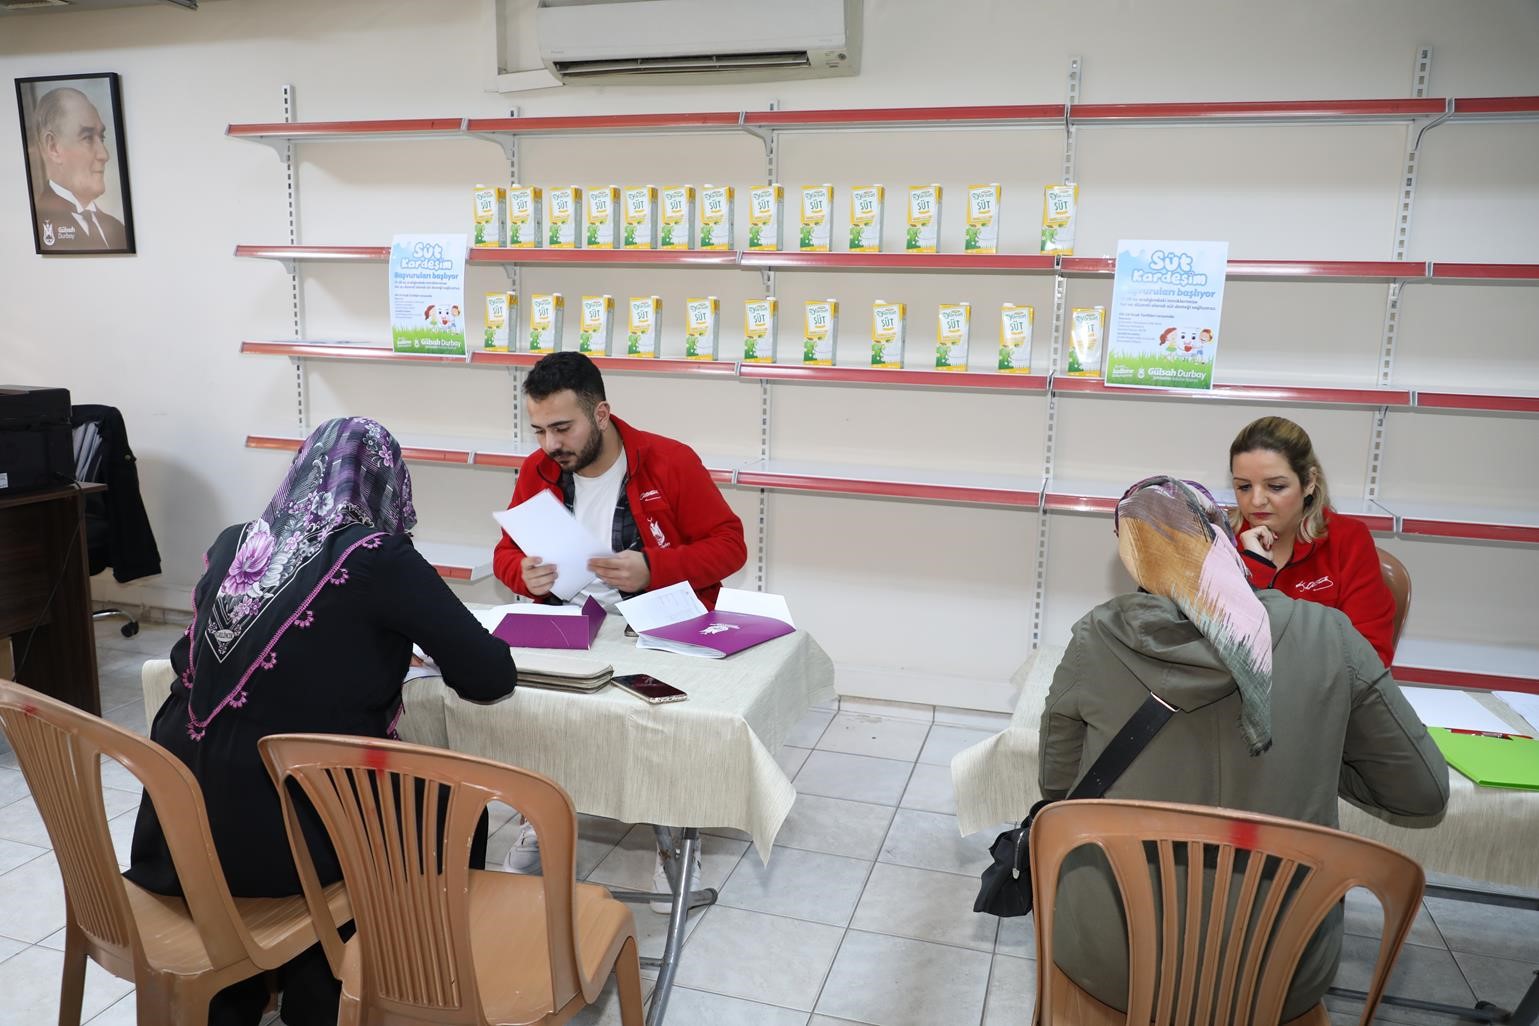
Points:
1340	570
688	532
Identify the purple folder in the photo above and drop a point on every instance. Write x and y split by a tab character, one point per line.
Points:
532	630
716	634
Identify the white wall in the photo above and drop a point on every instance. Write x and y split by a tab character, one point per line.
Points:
915	601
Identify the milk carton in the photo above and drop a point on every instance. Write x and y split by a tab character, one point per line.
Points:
924	210
817	218
491	216
603	216
716	217
700	328
676	216
596	325
640	217
764	214
866	203
820	332
501	321
953	331
887	330
525	212
1060	203
643	330
760	319
565	217
1088	328
546	313
1015	338
982	219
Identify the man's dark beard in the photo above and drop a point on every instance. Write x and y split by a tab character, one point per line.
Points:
590	452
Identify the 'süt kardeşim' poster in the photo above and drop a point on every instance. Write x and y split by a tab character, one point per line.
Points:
427	294
1165	313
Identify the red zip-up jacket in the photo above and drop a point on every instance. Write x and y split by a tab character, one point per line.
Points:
1340	570
688	532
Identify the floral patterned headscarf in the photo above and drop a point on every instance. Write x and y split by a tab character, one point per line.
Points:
1178	544
349	471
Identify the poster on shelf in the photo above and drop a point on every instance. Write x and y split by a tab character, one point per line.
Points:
427	294
1166	303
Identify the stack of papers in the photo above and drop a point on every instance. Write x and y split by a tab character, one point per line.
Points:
673	619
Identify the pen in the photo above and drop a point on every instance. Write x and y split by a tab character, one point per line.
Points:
1488	733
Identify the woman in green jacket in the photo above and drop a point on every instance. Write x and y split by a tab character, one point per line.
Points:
1283	706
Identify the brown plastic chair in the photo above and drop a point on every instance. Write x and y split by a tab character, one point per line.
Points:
178	952
1240	984
438	942
1398	580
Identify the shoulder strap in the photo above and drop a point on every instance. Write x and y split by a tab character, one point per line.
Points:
1134	736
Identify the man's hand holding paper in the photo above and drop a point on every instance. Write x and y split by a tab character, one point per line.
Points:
543	527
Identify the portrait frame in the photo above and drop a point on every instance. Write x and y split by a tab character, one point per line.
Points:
64	223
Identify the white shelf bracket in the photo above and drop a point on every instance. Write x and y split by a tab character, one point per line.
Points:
510	147
1055	354
771	141
291	267
1420	82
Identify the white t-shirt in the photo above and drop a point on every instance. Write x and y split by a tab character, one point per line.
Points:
594	507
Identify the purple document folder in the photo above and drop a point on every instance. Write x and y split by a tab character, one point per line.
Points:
534	630
716	634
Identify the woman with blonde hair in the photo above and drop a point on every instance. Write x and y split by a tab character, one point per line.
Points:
1292	539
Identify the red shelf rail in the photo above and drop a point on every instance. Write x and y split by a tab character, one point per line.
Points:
317	130
1492	402
605	257
607	124
1337	270
1484	272
929	492
1472	108
968	380
1258	111
1323	396
324	351
791	260
417	454
906	117
338	254
1525	534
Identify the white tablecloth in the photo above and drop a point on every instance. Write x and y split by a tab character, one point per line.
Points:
704	762
1487	833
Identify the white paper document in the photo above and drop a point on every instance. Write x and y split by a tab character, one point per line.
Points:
1456	710
757	603
542	527
660	608
1525	705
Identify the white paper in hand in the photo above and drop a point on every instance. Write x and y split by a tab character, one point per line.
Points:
542	527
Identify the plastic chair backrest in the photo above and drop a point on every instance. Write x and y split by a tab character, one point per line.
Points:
1398	580
406	863
1289	876
59	749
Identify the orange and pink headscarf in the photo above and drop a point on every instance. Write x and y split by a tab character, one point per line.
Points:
1178	543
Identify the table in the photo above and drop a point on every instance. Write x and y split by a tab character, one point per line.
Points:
704	762
1487	833
45	582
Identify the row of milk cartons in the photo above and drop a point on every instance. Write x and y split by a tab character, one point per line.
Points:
677	217
820	331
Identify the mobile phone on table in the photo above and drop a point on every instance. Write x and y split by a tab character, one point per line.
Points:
648	688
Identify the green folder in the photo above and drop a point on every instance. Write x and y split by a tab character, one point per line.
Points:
1491	760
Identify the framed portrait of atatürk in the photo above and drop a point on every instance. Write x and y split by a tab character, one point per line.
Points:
77	165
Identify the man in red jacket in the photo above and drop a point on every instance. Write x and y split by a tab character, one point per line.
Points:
650	496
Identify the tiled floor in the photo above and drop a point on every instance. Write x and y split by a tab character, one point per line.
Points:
863	914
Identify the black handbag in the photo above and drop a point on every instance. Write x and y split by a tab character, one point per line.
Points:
1006	888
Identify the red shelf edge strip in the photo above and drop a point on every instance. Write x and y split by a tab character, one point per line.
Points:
892	489
1463	679
1475	532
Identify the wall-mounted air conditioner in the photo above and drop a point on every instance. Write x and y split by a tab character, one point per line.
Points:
683	40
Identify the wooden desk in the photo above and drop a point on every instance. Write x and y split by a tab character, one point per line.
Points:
43	545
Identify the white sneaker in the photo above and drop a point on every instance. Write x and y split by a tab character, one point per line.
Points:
661	886
524	856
